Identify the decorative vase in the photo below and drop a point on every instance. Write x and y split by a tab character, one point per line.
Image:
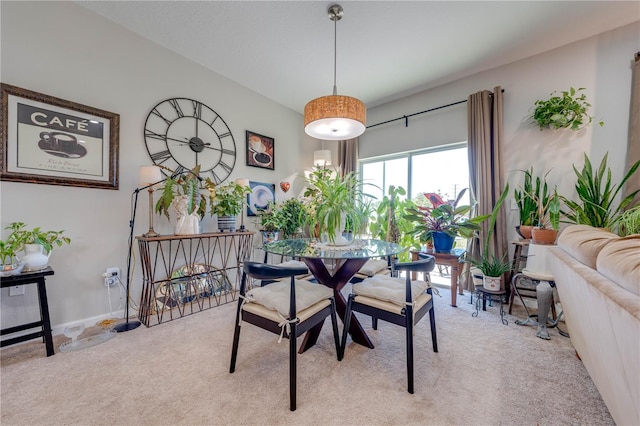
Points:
227	223
34	258
543	236
186	224
338	238
491	283
269	236
442	242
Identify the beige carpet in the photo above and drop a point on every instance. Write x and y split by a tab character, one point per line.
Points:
177	373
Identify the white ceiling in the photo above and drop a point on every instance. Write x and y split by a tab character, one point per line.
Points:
385	49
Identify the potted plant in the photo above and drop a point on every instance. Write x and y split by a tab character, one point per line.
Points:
597	194
227	202
628	223
335	199
293	217
389	223
270	222
187	187
36	243
567	110
546	229
527	206
491	264
443	222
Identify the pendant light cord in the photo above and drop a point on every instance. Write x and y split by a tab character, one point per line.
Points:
335	54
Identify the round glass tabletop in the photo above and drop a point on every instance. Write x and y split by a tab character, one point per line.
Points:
313	248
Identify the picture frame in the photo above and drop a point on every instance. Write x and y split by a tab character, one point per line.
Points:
260	151
259	197
48	140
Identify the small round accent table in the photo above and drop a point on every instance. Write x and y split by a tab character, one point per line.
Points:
482	294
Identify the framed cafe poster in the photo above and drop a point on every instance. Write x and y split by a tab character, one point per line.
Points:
57	142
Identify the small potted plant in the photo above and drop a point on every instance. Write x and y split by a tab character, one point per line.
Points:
546	229
293	216
36	243
527	206
490	264
443	222
567	110
270	222
227	202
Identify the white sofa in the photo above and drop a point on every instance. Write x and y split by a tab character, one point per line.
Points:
597	275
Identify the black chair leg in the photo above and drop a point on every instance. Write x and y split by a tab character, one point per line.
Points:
236	340
434	338
409	330
336	336
292	367
374	323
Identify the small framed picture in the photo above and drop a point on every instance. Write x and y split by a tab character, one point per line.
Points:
260	151
57	142
260	196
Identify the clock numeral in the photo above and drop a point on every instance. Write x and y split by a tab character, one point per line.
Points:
154	135
197	109
216	179
156	112
176	106
161	156
228	151
214	120
225	166
179	170
224	135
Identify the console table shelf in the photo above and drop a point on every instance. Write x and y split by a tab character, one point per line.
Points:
185	274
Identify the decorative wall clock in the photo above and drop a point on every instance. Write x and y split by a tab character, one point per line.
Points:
181	133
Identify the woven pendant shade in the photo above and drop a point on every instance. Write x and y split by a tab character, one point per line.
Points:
335	117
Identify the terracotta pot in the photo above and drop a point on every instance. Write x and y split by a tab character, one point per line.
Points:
525	231
543	236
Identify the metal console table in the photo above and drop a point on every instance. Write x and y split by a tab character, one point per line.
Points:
44	324
185	274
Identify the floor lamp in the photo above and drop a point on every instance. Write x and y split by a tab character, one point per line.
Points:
147	173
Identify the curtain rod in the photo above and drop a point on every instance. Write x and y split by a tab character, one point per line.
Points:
406	117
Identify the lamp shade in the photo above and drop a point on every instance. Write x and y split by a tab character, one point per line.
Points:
148	175
322	157
243	182
335	117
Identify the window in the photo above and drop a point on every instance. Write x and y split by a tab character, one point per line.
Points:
444	170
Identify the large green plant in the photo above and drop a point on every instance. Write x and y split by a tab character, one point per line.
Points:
333	195
489	262
394	204
20	236
446	217
597	195
293	216
184	184
227	200
527	206
568	110
270	217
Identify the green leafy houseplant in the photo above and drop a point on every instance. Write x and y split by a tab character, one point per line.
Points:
270	218
489	263
293	217
628	223
567	110
227	200
333	196
449	218
184	184
389	222
20	236
527	206
596	195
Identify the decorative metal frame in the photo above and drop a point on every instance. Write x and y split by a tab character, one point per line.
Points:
39	141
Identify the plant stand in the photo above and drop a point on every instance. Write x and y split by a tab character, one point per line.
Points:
482	294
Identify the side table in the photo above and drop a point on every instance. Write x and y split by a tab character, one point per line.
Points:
37	277
484	294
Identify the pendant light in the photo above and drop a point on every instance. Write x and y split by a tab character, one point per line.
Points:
335	117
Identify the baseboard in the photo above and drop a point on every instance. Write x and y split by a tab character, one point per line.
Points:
88	322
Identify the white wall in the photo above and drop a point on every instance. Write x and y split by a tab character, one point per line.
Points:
602	64
66	51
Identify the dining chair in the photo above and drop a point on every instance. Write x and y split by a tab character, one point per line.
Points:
399	301
288	307
371	268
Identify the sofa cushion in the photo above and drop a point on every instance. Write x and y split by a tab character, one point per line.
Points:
584	242
619	261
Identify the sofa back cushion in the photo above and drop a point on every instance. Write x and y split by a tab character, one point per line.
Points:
619	261
584	242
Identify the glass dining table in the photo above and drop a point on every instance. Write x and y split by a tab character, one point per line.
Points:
345	261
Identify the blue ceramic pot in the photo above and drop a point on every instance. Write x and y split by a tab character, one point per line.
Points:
442	242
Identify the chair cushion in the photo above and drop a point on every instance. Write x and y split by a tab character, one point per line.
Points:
293	263
389	289
276	295
275	316
373	266
393	307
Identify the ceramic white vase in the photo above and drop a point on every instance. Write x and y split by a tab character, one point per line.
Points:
34	258
491	283
186	224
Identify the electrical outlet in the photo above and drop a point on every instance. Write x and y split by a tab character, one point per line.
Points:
16	290
111	276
